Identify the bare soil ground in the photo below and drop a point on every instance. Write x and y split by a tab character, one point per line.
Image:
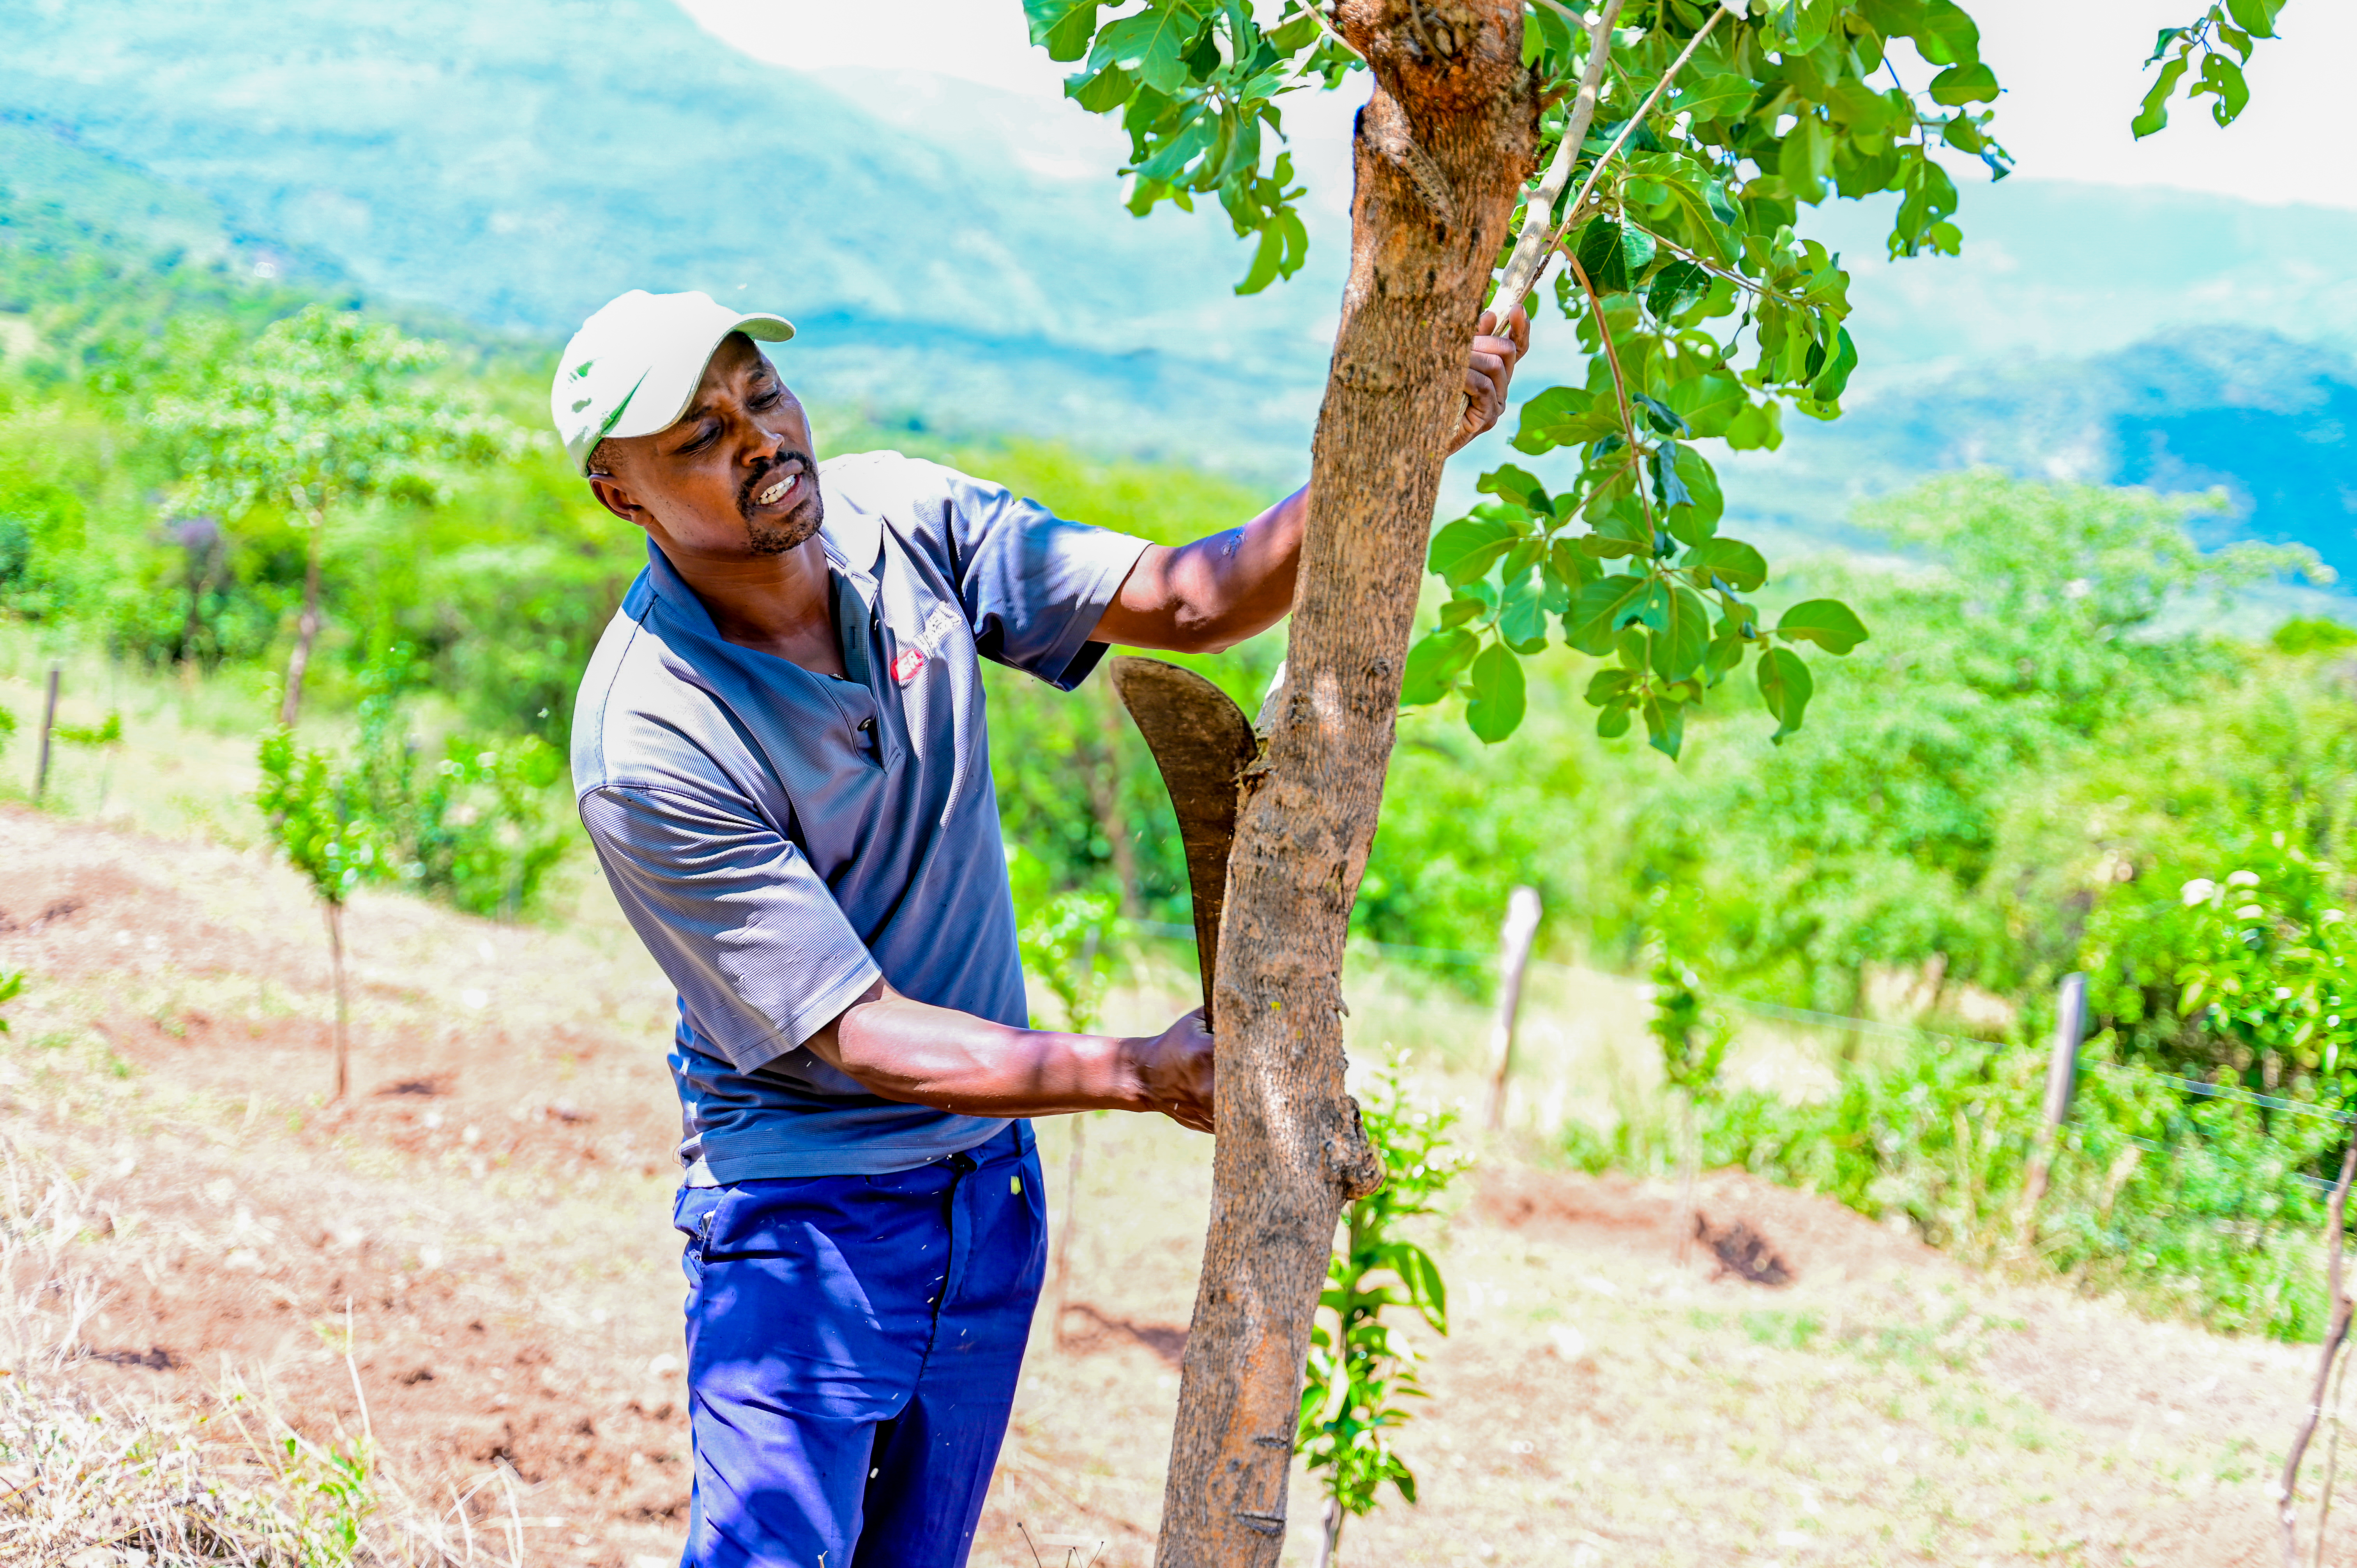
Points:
490	1207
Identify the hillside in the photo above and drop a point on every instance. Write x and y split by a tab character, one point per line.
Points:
484	1229
455	155
2247	411
954	266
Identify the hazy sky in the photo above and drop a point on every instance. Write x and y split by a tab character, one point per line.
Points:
2071	72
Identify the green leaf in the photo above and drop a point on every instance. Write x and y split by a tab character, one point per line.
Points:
1563	416
1434	664
1946	36
1064	26
1614	258
1665	725
1425	1290
1468	547
1721	97
1598	609
1961	84
1665	419
2256	17
1108	89
1806	159
1466	607
1681	623
1829	623
1284	246
1521	612
1707	401
1572	566
1669	486
1620	530
1730	560
1696	519
1152	44
1759	427
2156	101
1830	381
1785	685
2223	78
1508	483
1676	287
1607	685
1614	720
1494	687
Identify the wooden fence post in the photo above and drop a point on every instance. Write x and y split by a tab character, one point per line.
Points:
1514	939
48	721
2061	1077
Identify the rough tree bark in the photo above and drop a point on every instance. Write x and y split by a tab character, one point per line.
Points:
1441	151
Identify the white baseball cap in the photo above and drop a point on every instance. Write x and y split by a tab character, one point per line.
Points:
635	365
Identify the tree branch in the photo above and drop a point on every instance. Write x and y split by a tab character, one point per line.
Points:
1628	127
1538	210
1620	391
2336	1214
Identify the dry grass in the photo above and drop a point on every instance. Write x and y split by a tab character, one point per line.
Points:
91	1481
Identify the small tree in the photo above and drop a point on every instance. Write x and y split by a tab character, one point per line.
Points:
307	805
1359	1364
1694	1041
325	411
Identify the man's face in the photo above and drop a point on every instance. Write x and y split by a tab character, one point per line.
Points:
734	477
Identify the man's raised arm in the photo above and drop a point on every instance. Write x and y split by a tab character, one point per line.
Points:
1213	594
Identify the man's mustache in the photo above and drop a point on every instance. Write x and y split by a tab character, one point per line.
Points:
785	466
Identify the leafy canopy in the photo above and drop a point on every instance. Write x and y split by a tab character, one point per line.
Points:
1705	313
323	407
2236	25
2028	648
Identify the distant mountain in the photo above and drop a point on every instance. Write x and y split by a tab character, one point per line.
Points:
2250	411
950	261
524	162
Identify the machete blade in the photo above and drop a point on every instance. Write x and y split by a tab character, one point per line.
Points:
1202	743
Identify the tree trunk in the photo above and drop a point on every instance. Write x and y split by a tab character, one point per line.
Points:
335	957
1441	150
307	629
1329	1543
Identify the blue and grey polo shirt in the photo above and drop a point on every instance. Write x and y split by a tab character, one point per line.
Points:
780	839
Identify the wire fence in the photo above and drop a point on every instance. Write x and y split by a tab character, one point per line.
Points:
1879	1028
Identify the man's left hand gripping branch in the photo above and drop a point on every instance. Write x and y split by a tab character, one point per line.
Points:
779	753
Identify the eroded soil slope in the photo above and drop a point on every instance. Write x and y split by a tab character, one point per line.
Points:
490	1207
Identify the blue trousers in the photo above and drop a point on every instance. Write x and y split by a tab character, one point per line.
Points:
853	1344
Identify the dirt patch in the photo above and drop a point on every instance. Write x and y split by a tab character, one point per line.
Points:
490	1208
1752	1219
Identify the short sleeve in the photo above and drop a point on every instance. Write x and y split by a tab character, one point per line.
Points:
737	918
1033	586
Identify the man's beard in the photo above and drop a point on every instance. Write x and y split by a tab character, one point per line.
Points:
775	536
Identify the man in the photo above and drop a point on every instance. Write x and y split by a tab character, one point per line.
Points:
779	753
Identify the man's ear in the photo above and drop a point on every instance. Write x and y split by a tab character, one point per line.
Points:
615	499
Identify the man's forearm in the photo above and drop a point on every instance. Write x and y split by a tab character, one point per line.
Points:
954	1061
922	1055
1213	594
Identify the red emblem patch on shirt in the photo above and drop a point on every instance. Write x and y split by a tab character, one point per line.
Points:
907	663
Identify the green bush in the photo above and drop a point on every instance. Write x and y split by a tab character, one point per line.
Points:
2187	1205
481	827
